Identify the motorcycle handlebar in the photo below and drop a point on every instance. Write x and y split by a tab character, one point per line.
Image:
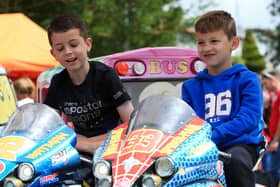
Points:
225	157
86	160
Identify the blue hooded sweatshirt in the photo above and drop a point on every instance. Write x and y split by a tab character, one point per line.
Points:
231	102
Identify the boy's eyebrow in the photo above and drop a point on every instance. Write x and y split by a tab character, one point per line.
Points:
58	44
62	43
73	40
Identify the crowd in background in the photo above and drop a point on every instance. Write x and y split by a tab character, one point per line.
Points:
25	90
271	92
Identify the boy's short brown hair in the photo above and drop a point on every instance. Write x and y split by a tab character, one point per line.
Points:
216	20
63	23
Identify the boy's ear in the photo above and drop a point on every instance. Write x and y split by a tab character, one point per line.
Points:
235	42
89	44
52	53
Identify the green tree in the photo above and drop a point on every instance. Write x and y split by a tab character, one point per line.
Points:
116	25
237	60
271	37
251	55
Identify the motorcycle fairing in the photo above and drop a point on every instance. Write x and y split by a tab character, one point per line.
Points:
12	148
54	152
136	155
196	159
205	183
41	155
45	180
113	142
192	127
136	152
36	134
6	167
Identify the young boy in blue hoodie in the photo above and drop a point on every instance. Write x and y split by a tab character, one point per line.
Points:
228	97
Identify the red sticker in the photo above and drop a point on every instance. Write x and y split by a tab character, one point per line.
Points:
2	166
220	167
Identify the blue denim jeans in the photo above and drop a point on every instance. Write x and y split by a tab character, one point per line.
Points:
271	164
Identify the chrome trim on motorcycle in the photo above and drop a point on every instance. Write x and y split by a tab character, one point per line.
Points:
151	181
12	182
25	171
164	167
101	169
105	182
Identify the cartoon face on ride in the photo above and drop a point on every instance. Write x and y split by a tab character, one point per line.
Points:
163	144
36	147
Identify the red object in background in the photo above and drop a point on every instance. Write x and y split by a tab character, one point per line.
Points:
121	68
25	50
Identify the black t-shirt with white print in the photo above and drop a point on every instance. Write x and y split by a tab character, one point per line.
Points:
91	106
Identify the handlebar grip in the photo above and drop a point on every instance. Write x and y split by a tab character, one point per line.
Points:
225	157
86	160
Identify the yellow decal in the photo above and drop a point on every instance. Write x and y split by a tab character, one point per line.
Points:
199	149
114	142
168	67
9	146
155	67
7	100
189	130
47	146
182	67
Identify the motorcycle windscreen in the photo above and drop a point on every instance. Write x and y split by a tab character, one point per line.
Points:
163	112
7	100
33	121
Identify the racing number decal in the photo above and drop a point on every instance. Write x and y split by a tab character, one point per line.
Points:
143	141
219	105
9	147
132	140
140	143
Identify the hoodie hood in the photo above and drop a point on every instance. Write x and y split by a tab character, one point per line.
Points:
237	68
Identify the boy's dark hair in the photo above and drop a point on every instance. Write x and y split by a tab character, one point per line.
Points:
269	75
216	20
63	23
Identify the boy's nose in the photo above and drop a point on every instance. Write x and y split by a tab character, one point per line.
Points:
207	47
68	50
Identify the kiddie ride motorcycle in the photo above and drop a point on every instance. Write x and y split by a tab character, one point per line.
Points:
163	144
37	149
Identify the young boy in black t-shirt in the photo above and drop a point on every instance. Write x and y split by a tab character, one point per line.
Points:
89	93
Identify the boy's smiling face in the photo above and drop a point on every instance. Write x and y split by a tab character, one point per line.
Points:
215	49
70	49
